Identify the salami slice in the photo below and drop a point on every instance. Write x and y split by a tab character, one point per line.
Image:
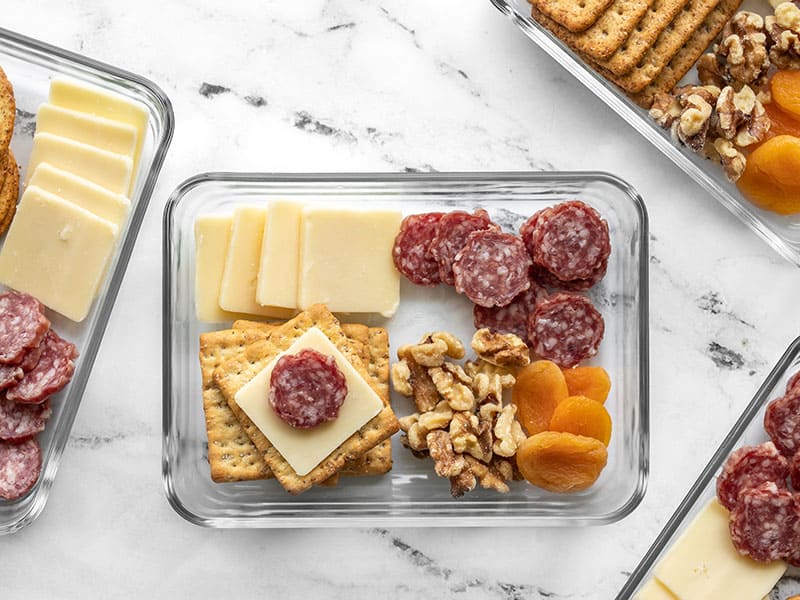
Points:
492	268
512	318
782	423
307	389
764	524
454	228
565	328
22	326
412	248
19	421
50	375
20	465
794	384
749	467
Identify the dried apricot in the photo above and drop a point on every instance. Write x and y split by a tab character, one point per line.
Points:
771	179
582	416
561	462
785	88
592	382
539	388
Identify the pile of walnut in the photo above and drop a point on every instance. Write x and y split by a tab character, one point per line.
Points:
461	422
723	116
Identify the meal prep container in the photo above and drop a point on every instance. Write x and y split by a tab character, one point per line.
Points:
780	232
410	494
748	430
30	65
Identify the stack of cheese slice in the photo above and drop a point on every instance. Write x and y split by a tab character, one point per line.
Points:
80	177
274	259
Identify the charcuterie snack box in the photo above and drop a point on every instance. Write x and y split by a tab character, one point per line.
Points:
81	144
405	349
735	534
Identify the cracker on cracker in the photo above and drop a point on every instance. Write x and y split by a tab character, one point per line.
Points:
575	15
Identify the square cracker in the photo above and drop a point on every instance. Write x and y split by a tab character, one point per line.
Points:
235	373
606	36
575	15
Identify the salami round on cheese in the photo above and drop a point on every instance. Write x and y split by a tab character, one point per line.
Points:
20	466
22	326
565	328
52	372
512	318
749	467
782	423
412	253
454	228
492	268
764	524
19	421
307	389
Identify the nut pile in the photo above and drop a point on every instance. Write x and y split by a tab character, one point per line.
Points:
461	422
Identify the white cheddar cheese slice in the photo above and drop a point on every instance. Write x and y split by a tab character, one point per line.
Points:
654	590
113	136
57	252
703	563
304	449
346	260
106	169
240	277
97	200
81	97
280	253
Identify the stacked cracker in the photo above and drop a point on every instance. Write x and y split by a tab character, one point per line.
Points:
643	46
239	451
9	172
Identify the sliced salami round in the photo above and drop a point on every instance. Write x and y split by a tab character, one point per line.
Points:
454	228
749	467
22	326
764	524
307	389
512	318
782	423
51	374
19	421
492	268
565	328
794	384
412	248
20	465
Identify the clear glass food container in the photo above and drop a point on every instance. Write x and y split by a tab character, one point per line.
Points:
780	232
410	494
748	430
30	65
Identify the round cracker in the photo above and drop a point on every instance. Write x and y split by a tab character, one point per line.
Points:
8	109
9	193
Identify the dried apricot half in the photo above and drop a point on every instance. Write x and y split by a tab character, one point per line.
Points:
771	179
539	388
582	416
561	462
592	382
785	88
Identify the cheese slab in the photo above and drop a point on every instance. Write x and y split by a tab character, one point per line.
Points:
304	449
93	100
105	134
240	276
703	563
654	590
57	252
106	169
346	260
280	254
90	196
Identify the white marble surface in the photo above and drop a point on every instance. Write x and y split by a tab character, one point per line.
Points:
346	85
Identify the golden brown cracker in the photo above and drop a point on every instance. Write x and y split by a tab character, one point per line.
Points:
575	15
9	193
700	21
235	373
606	36
8	110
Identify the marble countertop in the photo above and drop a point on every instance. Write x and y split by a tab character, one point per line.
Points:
336	85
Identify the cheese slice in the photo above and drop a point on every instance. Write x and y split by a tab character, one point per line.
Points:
106	169
654	590
280	253
78	96
240	277
105	134
346	260
90	196
304	449
57	252
703	563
